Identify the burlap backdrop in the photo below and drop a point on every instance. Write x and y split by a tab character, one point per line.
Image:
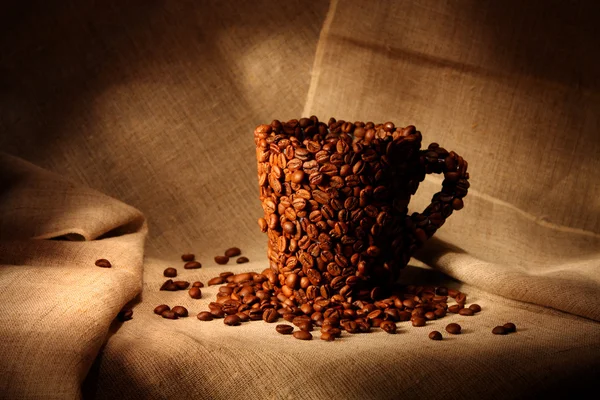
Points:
154	104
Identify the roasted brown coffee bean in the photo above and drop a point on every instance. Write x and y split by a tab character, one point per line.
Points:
455	308
270	315
453	293
216	281
351	327
103	263
510	327
388	326
453	328
466	312
169	285
284	329
328	337
232	252
244	317
435	335
232	320
442	291
218	313
180	311
188	257
418	321
161	308
262	224
125	314
192	265
499	330
170	272
205	316
181	285
195	293
198	284
169	314
461	298
306	326
430	315
302	335
222	260
475	307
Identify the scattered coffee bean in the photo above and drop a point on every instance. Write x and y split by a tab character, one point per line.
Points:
435	335
232	252
466	312
510	327
162	308
242	260
475	307
198	284
216	281
418	321
169	285
453	328
182	285
125	314
205	316
180	311
455	308
284	329
195	293
232	320
388	326
188	257
103	263
170	314
499	330
305	326
328	337
222	260
170	272
302	335
192	265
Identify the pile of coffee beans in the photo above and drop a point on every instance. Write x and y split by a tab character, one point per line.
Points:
252	296
335	199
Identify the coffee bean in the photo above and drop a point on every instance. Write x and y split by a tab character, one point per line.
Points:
499	330
169	314
195	293
198	284
192	265
188	257
205	316
161	308
302	335
232	252
169	285
328	337
222	260
388	326
232	320
270	315
180	311
125	314
216	281
475	307
510	327
284	329
453	328
435	335
103	263
461	298
305	326
218	313
430	315
418	321
181	285
442	291
244	317
242	260
226	274
170	272
466	312
455	308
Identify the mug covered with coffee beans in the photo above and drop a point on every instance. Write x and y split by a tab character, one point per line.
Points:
335	199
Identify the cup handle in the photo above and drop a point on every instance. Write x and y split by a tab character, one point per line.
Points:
437	160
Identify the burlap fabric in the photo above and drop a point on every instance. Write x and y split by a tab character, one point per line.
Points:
154	104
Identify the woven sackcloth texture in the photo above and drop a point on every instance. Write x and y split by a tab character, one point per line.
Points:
112	107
